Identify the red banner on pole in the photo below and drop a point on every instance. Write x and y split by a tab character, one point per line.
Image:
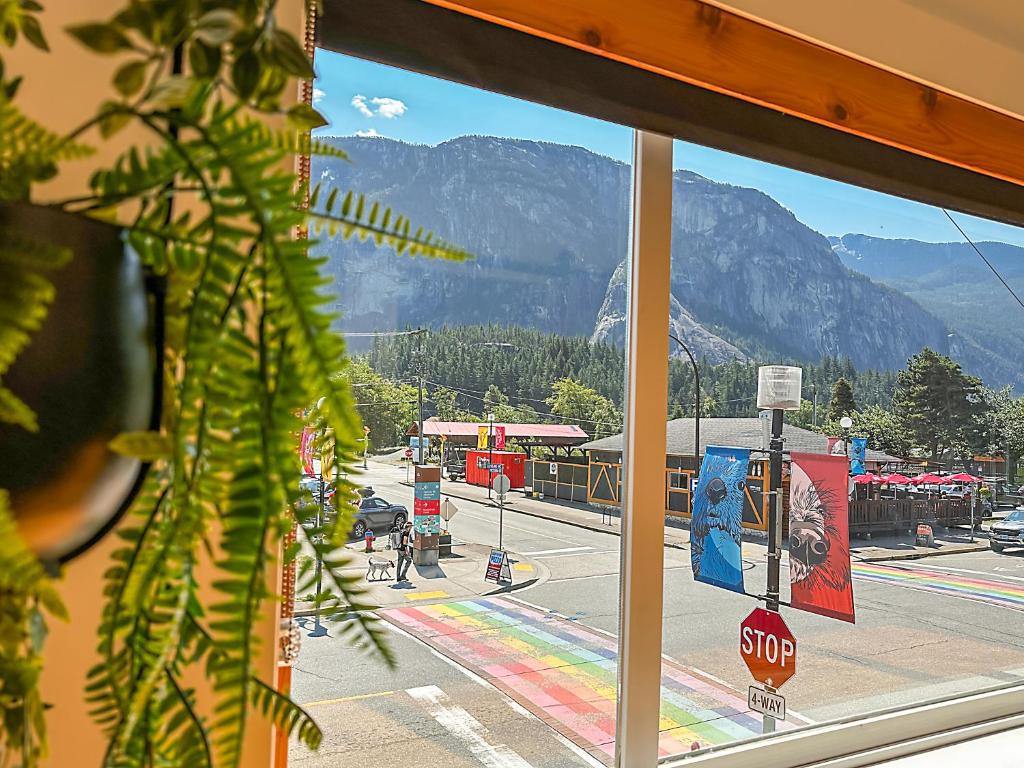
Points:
306	450
499	438
819	536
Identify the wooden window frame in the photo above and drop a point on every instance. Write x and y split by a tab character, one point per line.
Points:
568	55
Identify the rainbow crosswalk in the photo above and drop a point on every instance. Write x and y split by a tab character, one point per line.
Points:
565	673
946	583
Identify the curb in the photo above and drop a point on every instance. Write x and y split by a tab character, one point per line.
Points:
551	518
981	547
959	550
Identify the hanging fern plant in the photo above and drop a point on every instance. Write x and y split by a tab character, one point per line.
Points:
210	204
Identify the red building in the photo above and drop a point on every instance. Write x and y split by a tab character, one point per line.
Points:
514	467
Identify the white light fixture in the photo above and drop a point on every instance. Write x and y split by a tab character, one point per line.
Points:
778	387
846	422
490	417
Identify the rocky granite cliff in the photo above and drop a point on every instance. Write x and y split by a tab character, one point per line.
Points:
549	225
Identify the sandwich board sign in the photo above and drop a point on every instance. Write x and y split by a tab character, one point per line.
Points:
498	568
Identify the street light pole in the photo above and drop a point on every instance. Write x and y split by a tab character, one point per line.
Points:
490	450
778	390
419	378
696	413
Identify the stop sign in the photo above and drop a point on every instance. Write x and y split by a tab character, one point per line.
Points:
768	647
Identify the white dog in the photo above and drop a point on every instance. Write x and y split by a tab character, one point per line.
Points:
381	567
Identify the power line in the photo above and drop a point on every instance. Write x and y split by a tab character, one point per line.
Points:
375	334
987	262
468	393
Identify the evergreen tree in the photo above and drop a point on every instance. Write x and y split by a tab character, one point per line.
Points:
842	403
940	407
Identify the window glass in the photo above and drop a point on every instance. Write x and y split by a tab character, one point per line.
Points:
520	365
896	322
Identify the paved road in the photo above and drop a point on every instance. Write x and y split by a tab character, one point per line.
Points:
528	680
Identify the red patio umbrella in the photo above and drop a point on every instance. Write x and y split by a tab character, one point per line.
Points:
928	478
865	479
962	477
897	478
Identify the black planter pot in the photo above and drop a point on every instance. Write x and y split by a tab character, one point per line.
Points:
89	374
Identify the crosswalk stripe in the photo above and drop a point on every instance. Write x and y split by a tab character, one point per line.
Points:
466	728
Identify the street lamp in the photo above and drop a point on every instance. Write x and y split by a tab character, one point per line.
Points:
778	390
696	412
847	424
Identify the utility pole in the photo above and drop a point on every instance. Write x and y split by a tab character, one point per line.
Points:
419	378
814	405
490	451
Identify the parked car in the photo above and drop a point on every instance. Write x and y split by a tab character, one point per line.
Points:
1008	532
377	514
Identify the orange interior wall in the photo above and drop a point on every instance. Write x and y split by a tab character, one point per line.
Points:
60	90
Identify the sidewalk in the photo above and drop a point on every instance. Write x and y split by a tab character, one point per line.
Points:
460	576
677	535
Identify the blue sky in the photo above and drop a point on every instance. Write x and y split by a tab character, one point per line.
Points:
363	97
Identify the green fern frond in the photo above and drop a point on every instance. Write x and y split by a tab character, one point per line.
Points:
27	593
349	217
25	298
29	152
286	715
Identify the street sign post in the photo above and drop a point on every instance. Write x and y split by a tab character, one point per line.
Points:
768	704
768	649
448	510
501	485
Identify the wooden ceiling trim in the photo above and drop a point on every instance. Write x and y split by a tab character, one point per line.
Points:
700	44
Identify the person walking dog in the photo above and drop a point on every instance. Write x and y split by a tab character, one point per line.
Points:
404	553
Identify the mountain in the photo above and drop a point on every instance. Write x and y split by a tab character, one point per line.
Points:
549	226
745	267
956	285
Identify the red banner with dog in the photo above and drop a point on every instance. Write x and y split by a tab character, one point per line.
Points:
819	535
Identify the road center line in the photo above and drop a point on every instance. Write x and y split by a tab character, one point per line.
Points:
467	728
357	697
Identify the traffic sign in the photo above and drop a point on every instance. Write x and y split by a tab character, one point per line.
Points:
768	647
408	453
771	704
501	484
448	510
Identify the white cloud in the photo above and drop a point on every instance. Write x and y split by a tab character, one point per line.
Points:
367	134
389	108
359	102
318	94
381	106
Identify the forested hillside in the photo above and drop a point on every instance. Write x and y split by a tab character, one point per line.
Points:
524	364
